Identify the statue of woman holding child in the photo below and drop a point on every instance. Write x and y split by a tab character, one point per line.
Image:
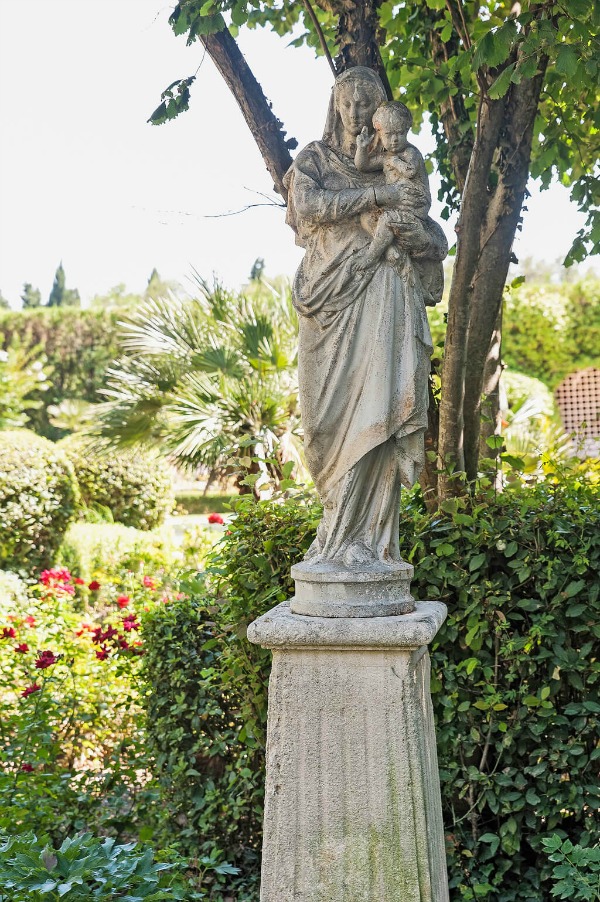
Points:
359	203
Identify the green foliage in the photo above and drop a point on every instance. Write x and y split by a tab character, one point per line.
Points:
60	295
206	377
78	347
199	503
439	56
576	869
81	869
135	487
207	735
22	378
552	330
104	551
31	297
38	499
72	752
514	673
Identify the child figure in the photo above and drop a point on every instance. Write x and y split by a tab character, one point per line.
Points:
403	165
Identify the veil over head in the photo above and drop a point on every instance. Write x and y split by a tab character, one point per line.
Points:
363	78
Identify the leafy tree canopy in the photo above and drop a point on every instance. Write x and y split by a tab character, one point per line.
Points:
480	51
61	296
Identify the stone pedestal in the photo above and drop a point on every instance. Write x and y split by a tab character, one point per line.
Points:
352	809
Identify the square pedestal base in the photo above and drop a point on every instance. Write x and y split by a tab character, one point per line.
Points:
352	808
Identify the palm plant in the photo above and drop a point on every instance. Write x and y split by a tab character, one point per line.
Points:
207	379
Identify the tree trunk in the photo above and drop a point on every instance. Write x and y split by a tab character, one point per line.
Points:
486	229
359	37
267	129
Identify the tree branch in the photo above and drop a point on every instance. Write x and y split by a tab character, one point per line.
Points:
267	129
319	30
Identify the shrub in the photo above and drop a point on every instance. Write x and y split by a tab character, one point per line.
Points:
106	551
136	487
38	499
83	868
79	345
72	750
207	708
514	674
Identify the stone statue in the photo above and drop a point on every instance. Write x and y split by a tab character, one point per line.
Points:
359	203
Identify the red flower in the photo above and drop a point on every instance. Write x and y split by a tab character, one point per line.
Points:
148	582
109	633
123	601
45	659
30	689
23	647
8	632
130	623
79	581
85	628
123	643
94	586
29	620
102	653
216	518
27	768
97	635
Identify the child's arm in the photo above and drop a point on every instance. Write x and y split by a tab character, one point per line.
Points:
411	161
363	160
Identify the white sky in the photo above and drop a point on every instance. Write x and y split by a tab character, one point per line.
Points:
84	179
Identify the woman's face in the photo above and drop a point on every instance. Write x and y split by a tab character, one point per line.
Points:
356	106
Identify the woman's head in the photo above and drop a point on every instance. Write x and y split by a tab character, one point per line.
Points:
356	94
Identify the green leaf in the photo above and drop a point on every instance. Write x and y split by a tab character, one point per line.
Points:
499	88
566	61
477	561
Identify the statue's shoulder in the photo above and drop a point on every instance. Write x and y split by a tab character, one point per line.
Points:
312	153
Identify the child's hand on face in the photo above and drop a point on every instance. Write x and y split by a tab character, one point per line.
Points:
363	139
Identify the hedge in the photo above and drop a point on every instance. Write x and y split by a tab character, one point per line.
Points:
38	499
514	675
78	345
135	486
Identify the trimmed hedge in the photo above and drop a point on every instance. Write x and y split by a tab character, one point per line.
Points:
135	486
514	675
79	346
38	499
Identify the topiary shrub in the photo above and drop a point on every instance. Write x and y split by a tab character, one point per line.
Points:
38	500
136	487
514	678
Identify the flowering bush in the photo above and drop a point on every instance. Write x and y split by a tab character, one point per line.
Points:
72	747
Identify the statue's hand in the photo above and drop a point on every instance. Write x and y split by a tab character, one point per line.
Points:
363	139
411	234
391	196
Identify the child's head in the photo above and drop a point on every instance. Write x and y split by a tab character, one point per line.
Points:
392	122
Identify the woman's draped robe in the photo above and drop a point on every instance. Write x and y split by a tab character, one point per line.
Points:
364	351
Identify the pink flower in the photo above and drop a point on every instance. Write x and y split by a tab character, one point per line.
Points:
8	632
78	581
216	518
29	620
123	601
45	659
30	690
148	582
94	585
22	648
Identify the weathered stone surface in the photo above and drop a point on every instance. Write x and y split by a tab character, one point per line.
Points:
373	260
327	590
352	810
